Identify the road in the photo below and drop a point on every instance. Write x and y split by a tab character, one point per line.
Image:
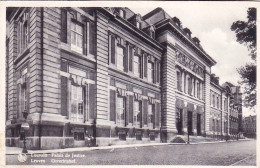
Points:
221	154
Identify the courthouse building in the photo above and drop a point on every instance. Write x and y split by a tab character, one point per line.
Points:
111	74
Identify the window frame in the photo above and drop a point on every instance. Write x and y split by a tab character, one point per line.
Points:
150	113
137	123
137	74
75	47
150	72
118	66
83	100
78	72
23	32
179	80
119	120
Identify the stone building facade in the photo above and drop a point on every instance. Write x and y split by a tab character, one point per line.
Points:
110	74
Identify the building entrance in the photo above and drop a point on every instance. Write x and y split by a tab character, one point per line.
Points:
179	121
198	124
189	122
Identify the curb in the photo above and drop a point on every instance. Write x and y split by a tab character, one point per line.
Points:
111	147
86	148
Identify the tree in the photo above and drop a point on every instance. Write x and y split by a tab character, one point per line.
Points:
246	34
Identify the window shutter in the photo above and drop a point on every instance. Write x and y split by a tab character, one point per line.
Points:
158	72
92	37
126	58
113	42
145	112
112	105
63	25
131	109
130	58
92	100
64	96
145	66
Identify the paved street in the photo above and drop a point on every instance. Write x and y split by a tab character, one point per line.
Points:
227	153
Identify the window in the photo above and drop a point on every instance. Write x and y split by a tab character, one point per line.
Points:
120	111
22	33
217	102
150	116
122	13
198	90
213	97
76	37
79	136
179	82
138	25
23	91
225	104
213	125
120	58
150	71
153	34
189	85
137	65
77	103
137	113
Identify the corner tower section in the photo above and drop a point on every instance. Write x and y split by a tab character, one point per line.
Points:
185	78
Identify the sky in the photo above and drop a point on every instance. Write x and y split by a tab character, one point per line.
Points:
211	24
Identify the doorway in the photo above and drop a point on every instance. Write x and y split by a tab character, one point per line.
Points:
198	124
179	123
190	132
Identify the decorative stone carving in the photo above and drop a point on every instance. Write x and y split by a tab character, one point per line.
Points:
188	63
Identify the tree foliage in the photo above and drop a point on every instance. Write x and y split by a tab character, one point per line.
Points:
246	34
248	76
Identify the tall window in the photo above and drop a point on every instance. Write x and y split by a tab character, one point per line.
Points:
198	90
217	102
120	58
150	72
213	97
120	111
150	116
76	37
179	82
189	85
137	65
22	33
213	125
77	103
137	113
23	91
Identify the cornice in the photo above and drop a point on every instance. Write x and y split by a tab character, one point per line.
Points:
183	37
130	27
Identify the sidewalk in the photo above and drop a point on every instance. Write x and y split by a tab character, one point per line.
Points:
16	150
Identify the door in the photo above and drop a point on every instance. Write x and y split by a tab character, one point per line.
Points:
198	124
190	122
179	121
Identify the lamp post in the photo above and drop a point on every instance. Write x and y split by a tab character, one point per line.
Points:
24	127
